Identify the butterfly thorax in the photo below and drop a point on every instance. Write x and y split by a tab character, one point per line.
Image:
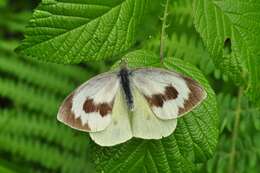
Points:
125	83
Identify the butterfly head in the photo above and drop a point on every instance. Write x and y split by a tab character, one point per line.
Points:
123	64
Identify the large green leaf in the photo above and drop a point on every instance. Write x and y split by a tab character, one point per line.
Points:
193	141
5	169
73	31
230	30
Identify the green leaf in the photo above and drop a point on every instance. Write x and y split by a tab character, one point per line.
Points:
69	31
230	30
5	170
30	94
3	3
193	141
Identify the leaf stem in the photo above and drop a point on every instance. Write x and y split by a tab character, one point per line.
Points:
235	132
164	26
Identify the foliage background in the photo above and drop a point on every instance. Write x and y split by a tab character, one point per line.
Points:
31	91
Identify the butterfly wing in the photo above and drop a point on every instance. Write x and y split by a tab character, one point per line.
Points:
89	107
145	124
119	129
169	94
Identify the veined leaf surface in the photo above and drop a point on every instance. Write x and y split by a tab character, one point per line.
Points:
193	141
230	30
74	31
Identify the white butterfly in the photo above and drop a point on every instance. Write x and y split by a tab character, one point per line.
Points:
144	103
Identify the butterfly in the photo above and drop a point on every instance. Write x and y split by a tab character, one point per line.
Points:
143	103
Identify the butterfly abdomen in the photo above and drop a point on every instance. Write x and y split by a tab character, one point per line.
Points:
125	83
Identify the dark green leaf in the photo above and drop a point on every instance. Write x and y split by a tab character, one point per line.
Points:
72	31
193	141
230	30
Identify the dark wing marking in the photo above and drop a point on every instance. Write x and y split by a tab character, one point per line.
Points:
90	105
103	108
196	95
66	115
168	93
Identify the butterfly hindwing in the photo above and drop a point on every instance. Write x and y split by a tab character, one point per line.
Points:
144	103
89	107
169	94
145	124
119	129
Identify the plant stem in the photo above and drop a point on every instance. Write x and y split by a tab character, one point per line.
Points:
235	132
164	25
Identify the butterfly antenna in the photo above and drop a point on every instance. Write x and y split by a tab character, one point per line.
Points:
163	33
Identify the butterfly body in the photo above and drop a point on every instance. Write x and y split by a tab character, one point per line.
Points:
144	103
124	74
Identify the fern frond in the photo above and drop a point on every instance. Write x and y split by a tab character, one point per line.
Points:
247	143
188	48
29	132
182	13
74	74
14	22
35	76
37	126
31	98
181	18
31	140
35	151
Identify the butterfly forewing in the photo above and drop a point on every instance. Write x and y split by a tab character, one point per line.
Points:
169	94
89	107
143	103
